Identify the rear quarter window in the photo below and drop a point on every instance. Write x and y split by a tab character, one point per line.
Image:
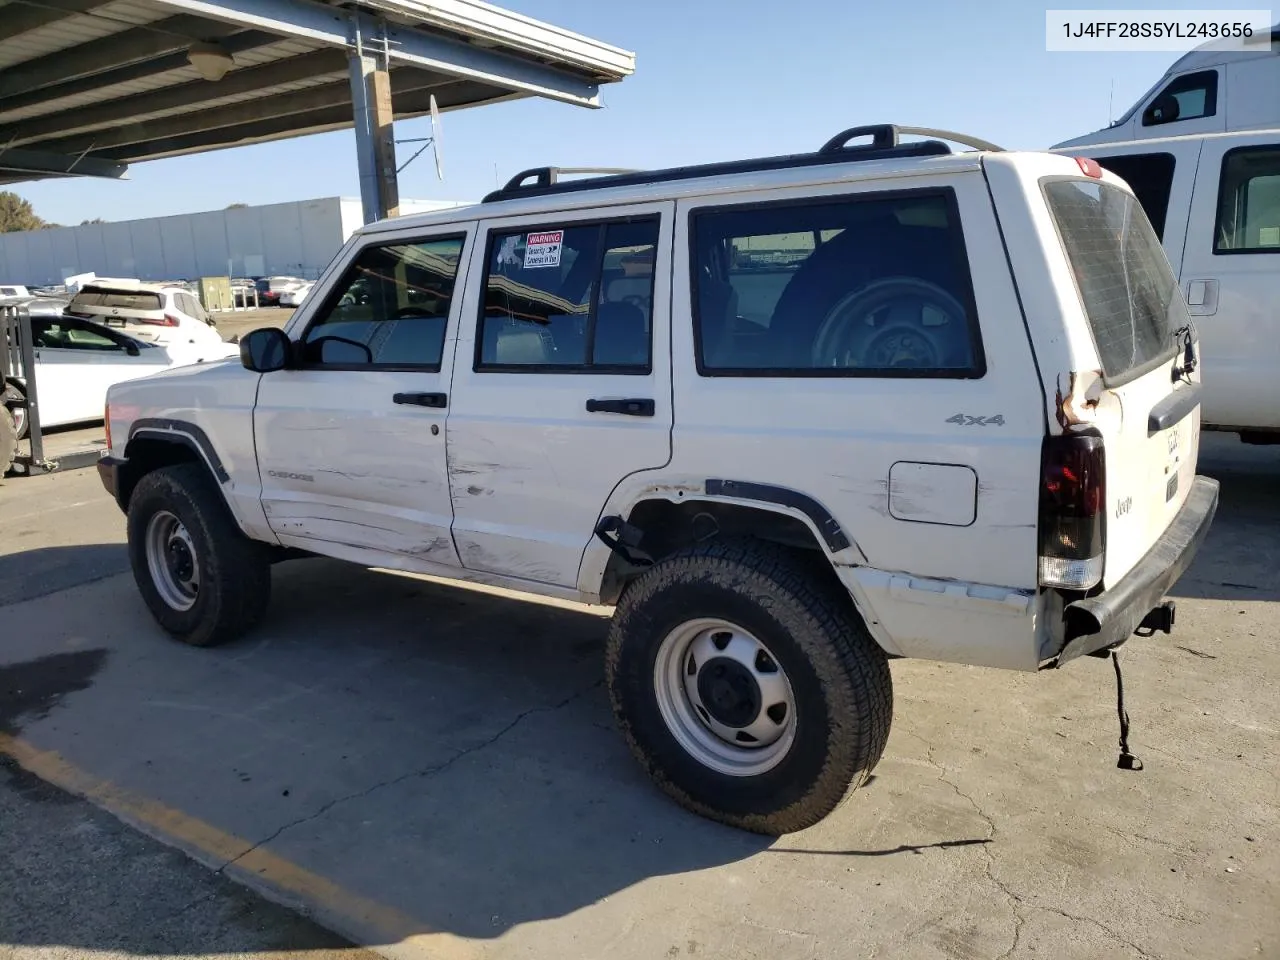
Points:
1130	296
870	285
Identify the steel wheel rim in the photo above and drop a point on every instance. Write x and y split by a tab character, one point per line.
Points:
725	697
171	561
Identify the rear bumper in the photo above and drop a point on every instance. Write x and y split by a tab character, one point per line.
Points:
1096	623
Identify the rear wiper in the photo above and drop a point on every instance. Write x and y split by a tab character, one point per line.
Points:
1188	365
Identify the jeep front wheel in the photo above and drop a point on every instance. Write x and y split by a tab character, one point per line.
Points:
747	687
203	580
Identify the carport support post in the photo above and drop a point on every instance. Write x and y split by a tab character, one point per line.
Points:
374	121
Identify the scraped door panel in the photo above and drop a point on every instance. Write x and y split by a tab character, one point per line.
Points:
351	443
562	385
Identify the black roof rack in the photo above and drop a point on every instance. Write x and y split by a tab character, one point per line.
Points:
885	144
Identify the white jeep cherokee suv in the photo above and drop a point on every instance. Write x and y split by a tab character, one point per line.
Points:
792	417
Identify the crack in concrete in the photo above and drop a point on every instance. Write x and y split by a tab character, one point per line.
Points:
989	858
1101	926
425	772
1015	900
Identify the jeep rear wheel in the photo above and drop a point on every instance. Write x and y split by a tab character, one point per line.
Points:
203	580
747	687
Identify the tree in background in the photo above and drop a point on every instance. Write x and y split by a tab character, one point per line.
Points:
85	223
237	206
16	214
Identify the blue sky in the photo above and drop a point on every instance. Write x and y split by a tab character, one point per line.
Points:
714	80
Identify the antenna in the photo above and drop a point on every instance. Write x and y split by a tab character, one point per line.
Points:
432	141
1111	98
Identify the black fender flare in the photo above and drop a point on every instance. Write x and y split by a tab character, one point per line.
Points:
183	433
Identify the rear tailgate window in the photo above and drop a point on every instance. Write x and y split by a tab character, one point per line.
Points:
1129	292
119	299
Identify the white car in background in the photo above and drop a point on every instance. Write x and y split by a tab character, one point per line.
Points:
294	296
76	360
157	314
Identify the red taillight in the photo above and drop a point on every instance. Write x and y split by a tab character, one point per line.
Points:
168	320
1073	496
1089	168
106	419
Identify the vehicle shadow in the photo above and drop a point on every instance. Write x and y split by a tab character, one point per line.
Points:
31	574
414	750
1240	558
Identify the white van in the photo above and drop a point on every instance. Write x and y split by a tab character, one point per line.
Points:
1202	153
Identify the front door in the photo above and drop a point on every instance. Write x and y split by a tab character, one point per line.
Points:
351	441
562	385
1231	278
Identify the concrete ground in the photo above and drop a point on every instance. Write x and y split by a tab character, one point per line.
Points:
74	875
433	772
233	323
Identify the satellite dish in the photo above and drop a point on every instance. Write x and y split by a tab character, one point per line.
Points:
437	145
432	141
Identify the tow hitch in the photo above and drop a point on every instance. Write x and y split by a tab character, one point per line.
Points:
1159	619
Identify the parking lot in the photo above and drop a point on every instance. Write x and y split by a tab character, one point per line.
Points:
432	770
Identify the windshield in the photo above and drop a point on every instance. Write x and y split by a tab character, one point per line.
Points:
1128	290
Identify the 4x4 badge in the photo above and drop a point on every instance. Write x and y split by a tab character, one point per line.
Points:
964	420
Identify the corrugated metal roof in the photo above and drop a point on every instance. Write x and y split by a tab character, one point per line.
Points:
138	49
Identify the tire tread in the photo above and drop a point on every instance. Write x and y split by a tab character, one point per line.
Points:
238	569
773	574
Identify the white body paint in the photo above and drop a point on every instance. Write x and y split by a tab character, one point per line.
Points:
933	482
1233	298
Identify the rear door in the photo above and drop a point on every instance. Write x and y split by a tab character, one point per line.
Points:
1231	278
1146	412
562	383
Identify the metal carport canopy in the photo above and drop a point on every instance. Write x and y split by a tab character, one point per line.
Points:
89	86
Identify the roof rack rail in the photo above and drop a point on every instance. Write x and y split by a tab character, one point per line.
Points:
885	144
550	176
885	135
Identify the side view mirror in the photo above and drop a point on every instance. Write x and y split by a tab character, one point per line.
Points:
131	348
265	350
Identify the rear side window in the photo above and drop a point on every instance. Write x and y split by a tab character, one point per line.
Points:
575	297
1150	175
875	285
1249	202
119	299
1128	290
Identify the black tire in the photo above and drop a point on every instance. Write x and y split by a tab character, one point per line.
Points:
12	396
8	440
235	572
840	678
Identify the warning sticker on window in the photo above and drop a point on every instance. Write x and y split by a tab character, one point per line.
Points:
543	249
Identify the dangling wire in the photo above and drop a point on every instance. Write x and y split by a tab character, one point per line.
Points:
1127	760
